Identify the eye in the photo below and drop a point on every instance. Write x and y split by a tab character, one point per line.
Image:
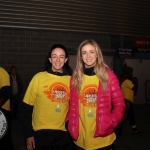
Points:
83	53
92	52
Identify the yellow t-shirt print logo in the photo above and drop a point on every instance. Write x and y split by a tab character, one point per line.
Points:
58	92
88	98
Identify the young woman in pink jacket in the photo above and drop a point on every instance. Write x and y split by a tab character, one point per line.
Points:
96	102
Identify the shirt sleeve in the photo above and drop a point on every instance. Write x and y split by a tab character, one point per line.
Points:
30	95
128	84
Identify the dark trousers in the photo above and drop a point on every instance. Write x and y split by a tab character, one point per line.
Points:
15	109
14	104
52	140
110	147
129	113
6	140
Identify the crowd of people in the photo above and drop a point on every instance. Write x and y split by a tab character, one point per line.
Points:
84	108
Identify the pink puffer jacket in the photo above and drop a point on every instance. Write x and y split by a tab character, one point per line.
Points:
110	109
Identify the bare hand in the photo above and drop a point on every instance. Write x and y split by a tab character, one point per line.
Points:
30	143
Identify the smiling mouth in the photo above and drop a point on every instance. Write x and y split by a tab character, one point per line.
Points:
89	60
58	64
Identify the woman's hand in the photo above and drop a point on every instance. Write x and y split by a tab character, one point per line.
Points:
30	143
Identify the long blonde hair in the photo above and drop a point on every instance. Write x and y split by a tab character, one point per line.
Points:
99	68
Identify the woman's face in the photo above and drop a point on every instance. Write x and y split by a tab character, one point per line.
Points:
89	55
58	58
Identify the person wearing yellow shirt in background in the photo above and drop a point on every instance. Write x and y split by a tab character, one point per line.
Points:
5	123
129	88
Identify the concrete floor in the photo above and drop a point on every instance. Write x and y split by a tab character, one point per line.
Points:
127	141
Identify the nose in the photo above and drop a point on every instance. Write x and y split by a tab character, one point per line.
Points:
58	59
88	54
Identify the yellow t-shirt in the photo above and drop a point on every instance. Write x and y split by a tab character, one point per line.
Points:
5	81
87	118
49	94
128	93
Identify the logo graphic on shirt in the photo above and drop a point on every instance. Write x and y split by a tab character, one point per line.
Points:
58	92
88	98
3	124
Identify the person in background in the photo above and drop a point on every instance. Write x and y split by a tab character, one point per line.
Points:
96	100
45	104
129	85
17	88
5	92
135	82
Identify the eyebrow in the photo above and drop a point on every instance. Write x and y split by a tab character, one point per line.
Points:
59	55
89	50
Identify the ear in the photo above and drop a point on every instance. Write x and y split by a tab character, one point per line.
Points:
50	60
66	59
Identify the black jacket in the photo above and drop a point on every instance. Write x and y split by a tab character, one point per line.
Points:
19	83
